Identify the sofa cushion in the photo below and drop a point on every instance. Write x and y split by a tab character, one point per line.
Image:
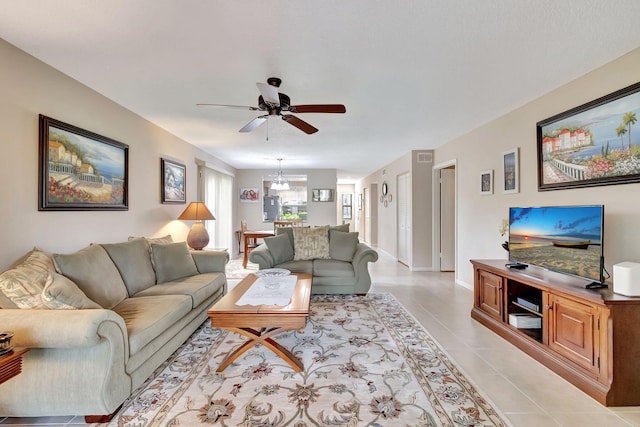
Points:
147	317
22	285
61	293
198	287
172	261
311	243
133	260
297	266
280	247
94	273
333	268
342	245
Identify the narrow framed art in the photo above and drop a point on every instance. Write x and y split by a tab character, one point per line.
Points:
80	170
597	143
486	182
174	182
511	171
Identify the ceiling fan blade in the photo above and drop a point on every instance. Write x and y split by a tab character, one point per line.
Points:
239	107
254	123
269	93
300	124
318	108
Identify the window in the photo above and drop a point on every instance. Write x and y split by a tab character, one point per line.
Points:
285	204
217	189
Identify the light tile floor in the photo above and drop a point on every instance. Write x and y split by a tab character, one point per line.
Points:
527	393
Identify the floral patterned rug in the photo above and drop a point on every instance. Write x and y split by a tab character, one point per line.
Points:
234	269
367	362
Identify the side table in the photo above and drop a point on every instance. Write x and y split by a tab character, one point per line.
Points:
11	364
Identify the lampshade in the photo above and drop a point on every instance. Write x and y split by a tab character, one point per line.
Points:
196	211
198	237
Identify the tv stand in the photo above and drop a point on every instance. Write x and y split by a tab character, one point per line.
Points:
590	337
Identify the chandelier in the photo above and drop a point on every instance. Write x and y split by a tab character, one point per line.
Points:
280	183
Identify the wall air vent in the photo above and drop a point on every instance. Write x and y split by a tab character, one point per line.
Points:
425	158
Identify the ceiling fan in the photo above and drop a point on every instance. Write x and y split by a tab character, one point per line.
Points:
275	103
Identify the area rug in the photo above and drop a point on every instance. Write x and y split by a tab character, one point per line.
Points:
367	362
234	269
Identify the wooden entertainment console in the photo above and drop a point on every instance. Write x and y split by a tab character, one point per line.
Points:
589	337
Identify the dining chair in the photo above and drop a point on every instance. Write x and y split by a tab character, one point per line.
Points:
250	243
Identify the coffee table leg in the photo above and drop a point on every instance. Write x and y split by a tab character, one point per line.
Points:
262	337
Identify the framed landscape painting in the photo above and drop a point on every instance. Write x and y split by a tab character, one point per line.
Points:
80	170
174	182
597	143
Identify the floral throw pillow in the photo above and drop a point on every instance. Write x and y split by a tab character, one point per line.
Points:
311	243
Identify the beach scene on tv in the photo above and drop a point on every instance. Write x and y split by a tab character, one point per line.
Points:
566	239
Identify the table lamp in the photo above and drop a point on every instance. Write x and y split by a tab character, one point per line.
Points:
198	237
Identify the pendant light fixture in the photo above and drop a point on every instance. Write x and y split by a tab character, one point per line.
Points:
280	183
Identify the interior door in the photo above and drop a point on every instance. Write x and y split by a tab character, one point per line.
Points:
366	215
447	219
404	220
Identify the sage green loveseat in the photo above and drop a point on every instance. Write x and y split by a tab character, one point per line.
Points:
99	322
336	259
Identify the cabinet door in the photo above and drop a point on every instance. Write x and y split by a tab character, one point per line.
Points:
573	331
490	294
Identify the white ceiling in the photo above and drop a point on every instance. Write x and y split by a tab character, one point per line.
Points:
413	74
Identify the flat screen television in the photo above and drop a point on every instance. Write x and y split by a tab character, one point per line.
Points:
564	239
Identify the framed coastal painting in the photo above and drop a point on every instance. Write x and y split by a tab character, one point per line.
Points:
486	182
174	182
511	172
80	170
597	143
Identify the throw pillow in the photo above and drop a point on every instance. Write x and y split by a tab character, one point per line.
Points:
133	260
342	246
172	261
341	227
22	285
280	248
288	231
61	293
95	274
311	243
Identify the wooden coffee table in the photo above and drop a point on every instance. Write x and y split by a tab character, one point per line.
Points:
260	323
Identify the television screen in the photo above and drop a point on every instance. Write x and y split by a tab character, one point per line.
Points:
566	239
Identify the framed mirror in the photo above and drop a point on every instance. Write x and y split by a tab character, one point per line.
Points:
385	189
322	195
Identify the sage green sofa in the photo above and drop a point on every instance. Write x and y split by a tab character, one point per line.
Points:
99	322
336	259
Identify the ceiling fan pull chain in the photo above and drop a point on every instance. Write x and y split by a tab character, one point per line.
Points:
267	130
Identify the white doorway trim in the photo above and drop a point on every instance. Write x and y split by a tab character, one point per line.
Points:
436	214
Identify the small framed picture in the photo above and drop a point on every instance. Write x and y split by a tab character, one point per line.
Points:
249	195
174	182
486	182
510	169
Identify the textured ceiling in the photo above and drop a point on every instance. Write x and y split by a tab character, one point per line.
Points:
413	74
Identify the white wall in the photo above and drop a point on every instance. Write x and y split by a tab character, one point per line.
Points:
479	216
30	88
